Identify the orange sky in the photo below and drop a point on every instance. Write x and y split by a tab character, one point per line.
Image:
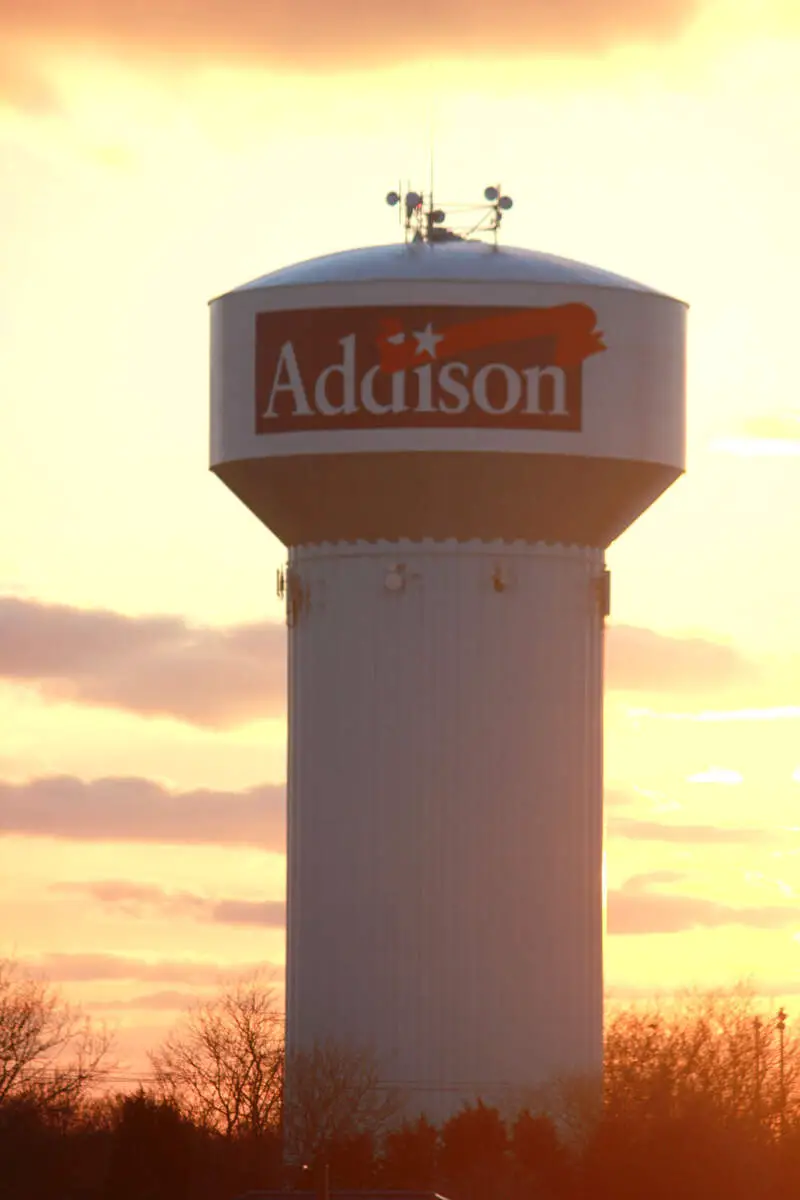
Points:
147	168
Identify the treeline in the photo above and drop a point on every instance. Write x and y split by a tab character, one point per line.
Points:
699	1100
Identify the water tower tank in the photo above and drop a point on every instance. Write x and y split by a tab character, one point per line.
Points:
447	437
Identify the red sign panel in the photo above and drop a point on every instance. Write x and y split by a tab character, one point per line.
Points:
424	367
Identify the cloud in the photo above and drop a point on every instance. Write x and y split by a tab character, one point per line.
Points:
640	660
22	82
152	666
775	435
250	912
742	447
145	900
618	797
222	678
316	35
782	426
722	775
167	1001
633	910
641	883
658	831
785	712
777	988
631	992
85	968
141	810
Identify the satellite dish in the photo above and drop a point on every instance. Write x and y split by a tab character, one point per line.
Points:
424	223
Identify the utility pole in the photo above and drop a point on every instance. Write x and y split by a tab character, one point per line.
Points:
324	1182
757	1033
781	1023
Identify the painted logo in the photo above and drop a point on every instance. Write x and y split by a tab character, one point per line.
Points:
423	367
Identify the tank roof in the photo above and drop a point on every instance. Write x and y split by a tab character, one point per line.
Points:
465	261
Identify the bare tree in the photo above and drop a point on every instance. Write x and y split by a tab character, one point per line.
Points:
223	1067
50	1053
334	1095
715	1051
574	1103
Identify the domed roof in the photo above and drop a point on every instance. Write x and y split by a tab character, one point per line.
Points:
461	261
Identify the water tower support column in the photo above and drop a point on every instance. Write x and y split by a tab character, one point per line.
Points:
445	810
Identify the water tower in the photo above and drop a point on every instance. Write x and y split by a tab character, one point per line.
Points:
447	434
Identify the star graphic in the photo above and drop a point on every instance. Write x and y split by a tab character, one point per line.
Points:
427	339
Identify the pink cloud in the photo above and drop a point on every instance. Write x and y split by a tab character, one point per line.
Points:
85	968
660	831
166	1001
633	910
152	666
619	797
141	810
641	883
640	660
145	900
315	35
22	82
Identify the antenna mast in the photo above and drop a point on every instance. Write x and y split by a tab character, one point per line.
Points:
424	222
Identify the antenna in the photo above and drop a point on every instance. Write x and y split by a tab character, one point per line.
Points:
500	204
424	221
431	143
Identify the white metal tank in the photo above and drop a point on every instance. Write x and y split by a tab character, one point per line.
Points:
447	437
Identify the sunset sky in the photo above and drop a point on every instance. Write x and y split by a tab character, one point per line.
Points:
149	163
